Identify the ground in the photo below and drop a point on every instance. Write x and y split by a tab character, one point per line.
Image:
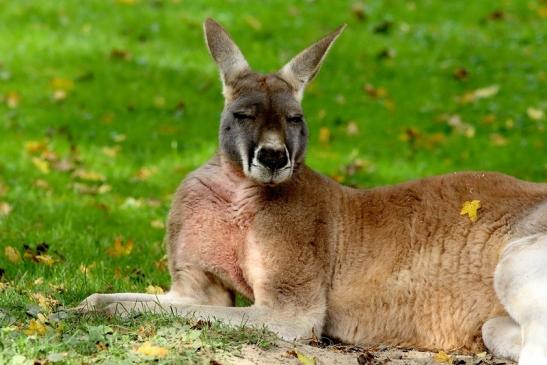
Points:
105	105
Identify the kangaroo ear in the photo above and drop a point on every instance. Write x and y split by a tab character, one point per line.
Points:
302	68
225	52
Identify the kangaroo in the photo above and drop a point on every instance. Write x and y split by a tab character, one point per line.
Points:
395	265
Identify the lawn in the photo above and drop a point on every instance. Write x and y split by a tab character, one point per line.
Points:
106	105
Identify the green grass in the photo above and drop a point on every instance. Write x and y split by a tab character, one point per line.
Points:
143	83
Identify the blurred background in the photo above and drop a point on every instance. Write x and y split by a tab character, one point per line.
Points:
105	105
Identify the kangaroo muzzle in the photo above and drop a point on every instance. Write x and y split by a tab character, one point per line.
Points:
271	164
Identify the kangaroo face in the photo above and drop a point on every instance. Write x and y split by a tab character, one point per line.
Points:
262	129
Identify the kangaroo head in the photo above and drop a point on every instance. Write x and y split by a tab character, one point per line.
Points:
262	129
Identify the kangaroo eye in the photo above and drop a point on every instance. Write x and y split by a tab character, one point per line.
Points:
243	116
295	119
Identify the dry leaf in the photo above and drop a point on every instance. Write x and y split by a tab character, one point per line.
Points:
442	358
86	269
5	209
111	151
120	249
253	22
34	147
88	175
152	289
35	327
535	113
470	208
498	140
150	350
12	254
324	135
46	303
41	165
12	99
45	259
482	93
157	223
352	128
305	359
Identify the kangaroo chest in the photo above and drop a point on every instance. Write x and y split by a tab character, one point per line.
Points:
217	230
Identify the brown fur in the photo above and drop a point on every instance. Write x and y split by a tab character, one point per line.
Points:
395	265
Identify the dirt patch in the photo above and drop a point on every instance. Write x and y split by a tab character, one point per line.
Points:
286	353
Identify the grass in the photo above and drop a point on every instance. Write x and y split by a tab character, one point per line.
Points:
106	105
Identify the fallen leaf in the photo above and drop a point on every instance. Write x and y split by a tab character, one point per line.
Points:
324	135
12	99
35	327
45	259
44	302
144	173
41	165
358	11
88	175
460	73
470	208
34	147
482	93
120	249
86	269
535	113
152	289
305	359
120	54
5	209
157	223
150	350
352	128
498	140
12	254
253	22
442	358
111	151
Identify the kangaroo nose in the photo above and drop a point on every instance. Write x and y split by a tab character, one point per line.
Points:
272	158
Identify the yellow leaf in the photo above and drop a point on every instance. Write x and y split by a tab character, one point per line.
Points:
442	358
46	303
45	259
470	208
120	249
324	135
253	22
305	359
482	93
150	350
5	209
111	151
535	113
36	146
152	289
88	175
35	327
60	84
41	165
157	223
12	99
12	254
86	269
352	128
